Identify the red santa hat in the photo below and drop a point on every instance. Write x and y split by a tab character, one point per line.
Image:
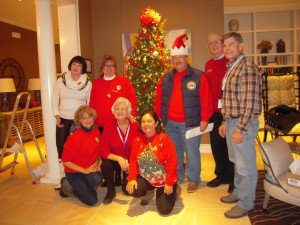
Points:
179	47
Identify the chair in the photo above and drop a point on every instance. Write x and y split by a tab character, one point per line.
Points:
277	157
280	89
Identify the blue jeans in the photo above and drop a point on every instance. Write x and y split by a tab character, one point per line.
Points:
85	185
176	131
244	157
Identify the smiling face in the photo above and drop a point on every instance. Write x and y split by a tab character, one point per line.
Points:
109	68
76	69
215	45
121	111
148	125
232	48
86	120
180	62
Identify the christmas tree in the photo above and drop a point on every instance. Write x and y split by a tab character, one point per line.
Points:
147	59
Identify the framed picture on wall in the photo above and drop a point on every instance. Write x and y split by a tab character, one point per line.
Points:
88	65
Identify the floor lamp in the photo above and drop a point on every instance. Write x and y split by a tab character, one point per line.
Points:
34	84
6	85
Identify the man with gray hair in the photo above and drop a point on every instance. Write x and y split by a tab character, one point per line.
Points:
241	105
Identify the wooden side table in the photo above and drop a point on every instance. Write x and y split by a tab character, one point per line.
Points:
34	117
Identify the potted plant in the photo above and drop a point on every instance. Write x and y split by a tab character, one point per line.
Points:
265	46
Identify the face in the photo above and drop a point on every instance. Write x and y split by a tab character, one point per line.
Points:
148	125
76	68
215	45
232	48
121	111
86	120
109	69
180	62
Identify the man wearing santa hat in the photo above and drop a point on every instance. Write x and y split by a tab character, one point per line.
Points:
183	102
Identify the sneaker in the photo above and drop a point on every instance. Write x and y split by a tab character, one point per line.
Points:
235	212
193	186
66	189
229	198
147	198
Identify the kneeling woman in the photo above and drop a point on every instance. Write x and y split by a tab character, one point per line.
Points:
153	164
81	157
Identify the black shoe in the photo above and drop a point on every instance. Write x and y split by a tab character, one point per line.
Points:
118	181
109	197
215	182
230	187
65	188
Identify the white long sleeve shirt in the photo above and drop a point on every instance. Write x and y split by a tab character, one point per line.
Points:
65	101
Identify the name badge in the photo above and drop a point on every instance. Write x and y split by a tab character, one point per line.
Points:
220	104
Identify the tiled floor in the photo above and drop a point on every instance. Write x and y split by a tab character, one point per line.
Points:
24	203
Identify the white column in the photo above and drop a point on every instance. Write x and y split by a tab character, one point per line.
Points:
47	71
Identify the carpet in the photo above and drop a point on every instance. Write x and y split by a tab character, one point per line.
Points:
279	213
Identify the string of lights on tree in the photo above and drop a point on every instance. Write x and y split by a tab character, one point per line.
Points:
147	59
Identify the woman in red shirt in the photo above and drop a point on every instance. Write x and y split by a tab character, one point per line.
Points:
81	158
153	164
115	147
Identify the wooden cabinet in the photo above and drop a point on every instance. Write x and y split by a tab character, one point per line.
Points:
34	117
274	22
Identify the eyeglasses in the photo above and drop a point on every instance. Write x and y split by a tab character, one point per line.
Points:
109	65
214	42
180	58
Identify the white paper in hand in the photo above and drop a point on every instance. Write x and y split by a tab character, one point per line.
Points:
196	131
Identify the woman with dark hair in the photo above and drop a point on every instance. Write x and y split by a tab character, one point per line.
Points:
153	165
70	91
81	158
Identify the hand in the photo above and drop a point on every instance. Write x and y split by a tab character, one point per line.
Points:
203	126
123	164
168	189
237	137
58	121
132	119
222	130
131	185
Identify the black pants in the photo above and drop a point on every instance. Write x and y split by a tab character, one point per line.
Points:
224	168
85	185
109	168
61	135
164	203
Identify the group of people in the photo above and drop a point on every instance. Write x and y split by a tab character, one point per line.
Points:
227	94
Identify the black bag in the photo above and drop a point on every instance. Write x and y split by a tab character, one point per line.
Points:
283	117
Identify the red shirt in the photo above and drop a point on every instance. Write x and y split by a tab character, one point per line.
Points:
104	94
81	148
215	71
111	143
165	154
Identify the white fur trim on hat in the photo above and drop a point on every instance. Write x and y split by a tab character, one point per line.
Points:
179	51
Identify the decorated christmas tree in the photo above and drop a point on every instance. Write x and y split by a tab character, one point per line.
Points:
147	59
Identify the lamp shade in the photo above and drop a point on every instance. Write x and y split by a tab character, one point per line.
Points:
7	85
34	84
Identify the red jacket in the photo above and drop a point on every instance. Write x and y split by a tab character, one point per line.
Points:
81	148
104	94
164	152
111	142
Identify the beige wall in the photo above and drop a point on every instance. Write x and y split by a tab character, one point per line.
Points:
113	18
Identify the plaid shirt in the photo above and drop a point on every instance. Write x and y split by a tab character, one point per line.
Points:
242	95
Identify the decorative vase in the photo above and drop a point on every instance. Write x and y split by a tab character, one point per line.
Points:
264	50
233	25
280	46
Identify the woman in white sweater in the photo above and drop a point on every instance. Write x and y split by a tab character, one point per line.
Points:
70	91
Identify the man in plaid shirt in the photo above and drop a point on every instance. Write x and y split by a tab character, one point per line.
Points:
241	105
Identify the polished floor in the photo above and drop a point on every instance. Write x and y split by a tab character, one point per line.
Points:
21	202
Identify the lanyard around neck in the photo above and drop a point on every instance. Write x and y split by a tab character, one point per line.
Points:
126	135
229	71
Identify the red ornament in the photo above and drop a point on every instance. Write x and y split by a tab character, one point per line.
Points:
148	35
161	63
135	64
144	87
151	49
153	103
130	60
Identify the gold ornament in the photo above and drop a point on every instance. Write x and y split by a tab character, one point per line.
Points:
155	53
145	60
138	51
